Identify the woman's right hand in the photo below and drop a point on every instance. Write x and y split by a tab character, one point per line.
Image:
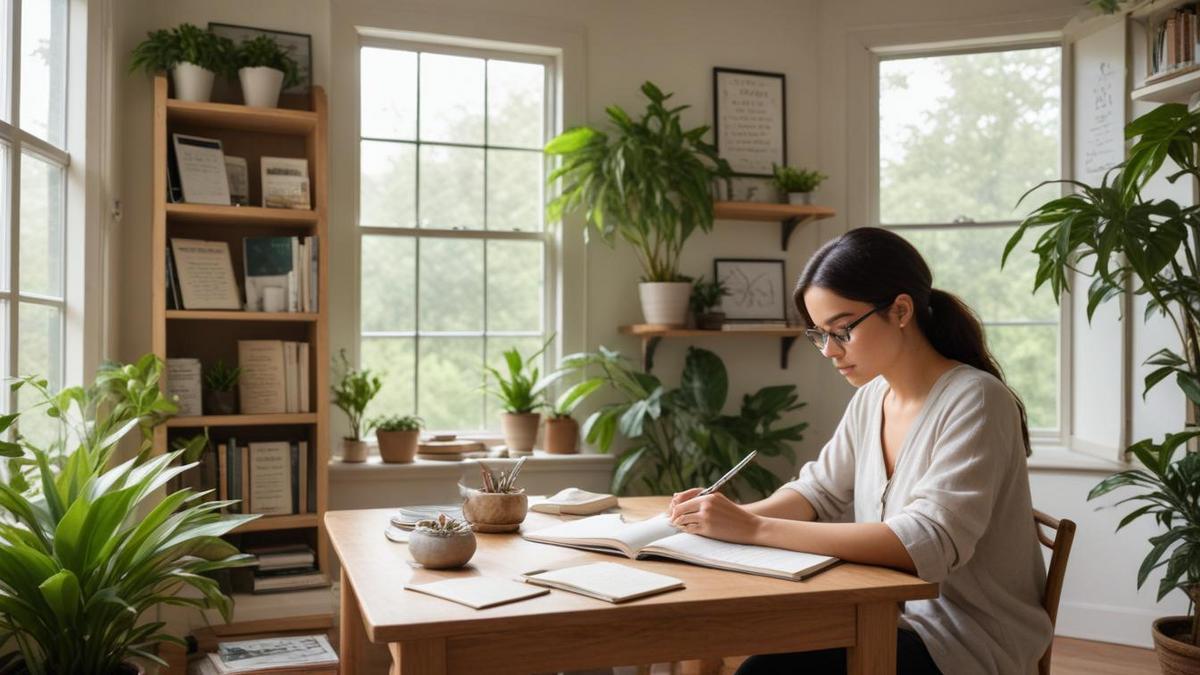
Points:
681	497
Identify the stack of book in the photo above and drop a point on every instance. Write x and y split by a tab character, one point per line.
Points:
1173	48
281	274
275	377
285	568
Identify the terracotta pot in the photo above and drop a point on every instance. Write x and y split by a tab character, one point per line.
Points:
562	436
220	402
398	447
665	302
495	511
354	451
520	430
1175	655
439	552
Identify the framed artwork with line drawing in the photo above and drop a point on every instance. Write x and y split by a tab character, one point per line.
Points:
757	289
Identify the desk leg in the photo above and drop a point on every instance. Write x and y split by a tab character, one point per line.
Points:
419	657
874	652
352	637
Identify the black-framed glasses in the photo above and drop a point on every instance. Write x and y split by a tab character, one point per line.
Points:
820	338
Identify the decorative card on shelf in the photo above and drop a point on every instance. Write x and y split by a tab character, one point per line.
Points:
285	183
183	385
750	123
268	263
239	180
262	388
271	478
200	163
205	274
756	289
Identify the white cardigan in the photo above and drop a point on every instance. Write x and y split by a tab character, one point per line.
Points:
959	501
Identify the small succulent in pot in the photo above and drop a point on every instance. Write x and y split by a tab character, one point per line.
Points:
706	295
220	382
444	543
797	184
398	436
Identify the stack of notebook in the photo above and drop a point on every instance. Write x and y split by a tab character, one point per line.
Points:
451	450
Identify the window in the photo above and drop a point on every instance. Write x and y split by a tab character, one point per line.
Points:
454	252
33	166
961	137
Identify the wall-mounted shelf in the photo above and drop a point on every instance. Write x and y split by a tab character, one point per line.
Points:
652	334
789	216
1176	89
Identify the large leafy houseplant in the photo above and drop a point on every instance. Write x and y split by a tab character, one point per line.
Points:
1112	234
649	183
87	550
680	438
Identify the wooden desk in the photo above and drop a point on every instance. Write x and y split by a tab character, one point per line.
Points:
718	614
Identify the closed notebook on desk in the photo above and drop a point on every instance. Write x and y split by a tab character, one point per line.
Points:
656	537
606	581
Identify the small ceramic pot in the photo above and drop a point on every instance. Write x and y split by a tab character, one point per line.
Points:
398	447
220	402
800	198
520	431
260	86
192	83
354	451
665	303
711	321
562	436
438	551
495	511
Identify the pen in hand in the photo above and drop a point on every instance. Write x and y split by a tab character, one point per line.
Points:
728	475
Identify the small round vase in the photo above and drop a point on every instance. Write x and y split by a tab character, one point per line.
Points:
495	511
441	552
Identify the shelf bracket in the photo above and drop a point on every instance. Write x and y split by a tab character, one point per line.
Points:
785	348
649	345
787	226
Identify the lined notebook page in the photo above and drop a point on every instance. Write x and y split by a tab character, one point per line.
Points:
605	580
478	592
762	560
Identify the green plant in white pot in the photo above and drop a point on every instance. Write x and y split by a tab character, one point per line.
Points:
522	394
193	56
88	551
352	394
649	183
1121	240
264	69
797	184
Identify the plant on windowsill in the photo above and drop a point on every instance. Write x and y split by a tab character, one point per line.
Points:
88	551
522	395
797	184
650	184
194	57
220	383
352	394
562	430
679	438
1114	235
264	69
706	295
398	436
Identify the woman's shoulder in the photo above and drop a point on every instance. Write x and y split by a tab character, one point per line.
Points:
969	387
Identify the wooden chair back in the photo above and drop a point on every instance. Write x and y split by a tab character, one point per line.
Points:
1056	535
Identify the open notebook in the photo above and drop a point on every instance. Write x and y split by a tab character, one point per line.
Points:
609	533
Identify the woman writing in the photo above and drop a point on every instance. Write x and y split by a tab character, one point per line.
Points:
928	462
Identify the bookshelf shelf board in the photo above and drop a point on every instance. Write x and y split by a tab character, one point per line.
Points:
789	216
233	315
242	420
266	523
1177	89
241	117
238	215
652	334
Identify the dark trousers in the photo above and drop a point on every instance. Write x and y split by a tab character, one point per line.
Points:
911	659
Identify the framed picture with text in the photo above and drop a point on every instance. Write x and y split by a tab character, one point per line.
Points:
750	120
757	288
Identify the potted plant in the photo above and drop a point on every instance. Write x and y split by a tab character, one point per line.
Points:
1150	246
352	394
797	184
220	383
522	395
441	544
192	55
706	295
264	69
89	552
650	184
398	436
680	438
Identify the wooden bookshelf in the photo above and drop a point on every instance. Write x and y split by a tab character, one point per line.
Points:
653	334
789	216
214	334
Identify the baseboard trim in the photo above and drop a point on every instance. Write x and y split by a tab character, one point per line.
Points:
1108	623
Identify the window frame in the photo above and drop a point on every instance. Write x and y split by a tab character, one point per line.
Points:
1058	436
547	236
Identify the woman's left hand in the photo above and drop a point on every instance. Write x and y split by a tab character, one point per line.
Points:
717	517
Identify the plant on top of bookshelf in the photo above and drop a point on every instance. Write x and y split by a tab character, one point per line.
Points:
797	184
521	394
398	436
193	55
706	295
352	394
87	551
220	382
264	68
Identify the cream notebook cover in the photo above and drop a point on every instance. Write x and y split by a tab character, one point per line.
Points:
575	502
478	592
607	581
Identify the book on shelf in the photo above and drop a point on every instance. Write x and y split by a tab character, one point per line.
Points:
288	556
656	537
239	180
289	579
205	274
200	165
183	385
270	478
1173	44
174	301
285	183
275	377
285	264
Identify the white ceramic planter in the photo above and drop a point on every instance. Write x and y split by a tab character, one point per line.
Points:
260	86
192	83
800	198
665	303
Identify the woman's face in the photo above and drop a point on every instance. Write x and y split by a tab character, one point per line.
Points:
874	342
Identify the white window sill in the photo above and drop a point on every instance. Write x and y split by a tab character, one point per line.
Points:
376	469
1061	458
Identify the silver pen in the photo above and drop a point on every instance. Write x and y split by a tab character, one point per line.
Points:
728	475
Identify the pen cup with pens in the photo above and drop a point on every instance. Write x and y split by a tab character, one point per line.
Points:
499	506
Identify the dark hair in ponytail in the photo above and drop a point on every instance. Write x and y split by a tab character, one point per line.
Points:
873	265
